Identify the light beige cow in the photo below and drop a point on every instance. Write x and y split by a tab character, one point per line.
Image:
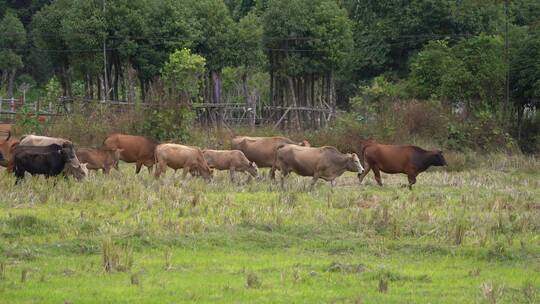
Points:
324	162
232	160
175	156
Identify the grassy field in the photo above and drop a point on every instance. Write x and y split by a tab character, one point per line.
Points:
459	237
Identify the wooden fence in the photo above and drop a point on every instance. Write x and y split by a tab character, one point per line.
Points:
207	114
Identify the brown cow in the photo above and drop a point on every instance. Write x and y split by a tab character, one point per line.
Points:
392	159
6	150
135	149
101	158
261	150
324	162
190	159
232	160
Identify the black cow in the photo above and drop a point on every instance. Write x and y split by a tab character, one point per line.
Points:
42	160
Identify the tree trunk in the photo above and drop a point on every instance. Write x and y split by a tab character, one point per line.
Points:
216	81
296	119
132	76
11	82
332	84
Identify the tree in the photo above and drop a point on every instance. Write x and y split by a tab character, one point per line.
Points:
47	35
183	73
249	55
306	44
525	76
12	40
215	42
472	71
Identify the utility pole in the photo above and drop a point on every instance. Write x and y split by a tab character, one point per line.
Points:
105	80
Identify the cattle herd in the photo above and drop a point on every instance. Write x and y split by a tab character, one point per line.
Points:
49	156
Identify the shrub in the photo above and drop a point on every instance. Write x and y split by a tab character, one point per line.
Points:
173	123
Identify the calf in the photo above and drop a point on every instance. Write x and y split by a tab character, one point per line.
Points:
325	162
175	156
48	160
232	160
99	159
392	159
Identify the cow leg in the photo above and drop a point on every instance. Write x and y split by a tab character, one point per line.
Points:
366	171
185	172
150	168
138	167
283	176
412	181
20	177
377	175
160	168
313	182
231	173
272	173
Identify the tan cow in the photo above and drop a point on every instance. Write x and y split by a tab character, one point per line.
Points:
99	159
176	156
261	150
6	150
232	160
325	162
41	141
135	149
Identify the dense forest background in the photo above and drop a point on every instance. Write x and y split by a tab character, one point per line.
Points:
468	67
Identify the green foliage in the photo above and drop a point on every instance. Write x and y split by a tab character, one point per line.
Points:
52	90
296	30
525	70
216	27
183	72
12	41
472	71
248	42
28	122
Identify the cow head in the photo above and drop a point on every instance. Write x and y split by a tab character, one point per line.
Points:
353	163
6	149
206	172
438	159
69	151
252	169
78	171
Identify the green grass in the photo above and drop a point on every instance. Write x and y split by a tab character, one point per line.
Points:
458	237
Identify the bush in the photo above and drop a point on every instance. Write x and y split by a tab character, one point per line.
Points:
168	124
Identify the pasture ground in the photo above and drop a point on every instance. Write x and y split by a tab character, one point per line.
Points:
458	237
